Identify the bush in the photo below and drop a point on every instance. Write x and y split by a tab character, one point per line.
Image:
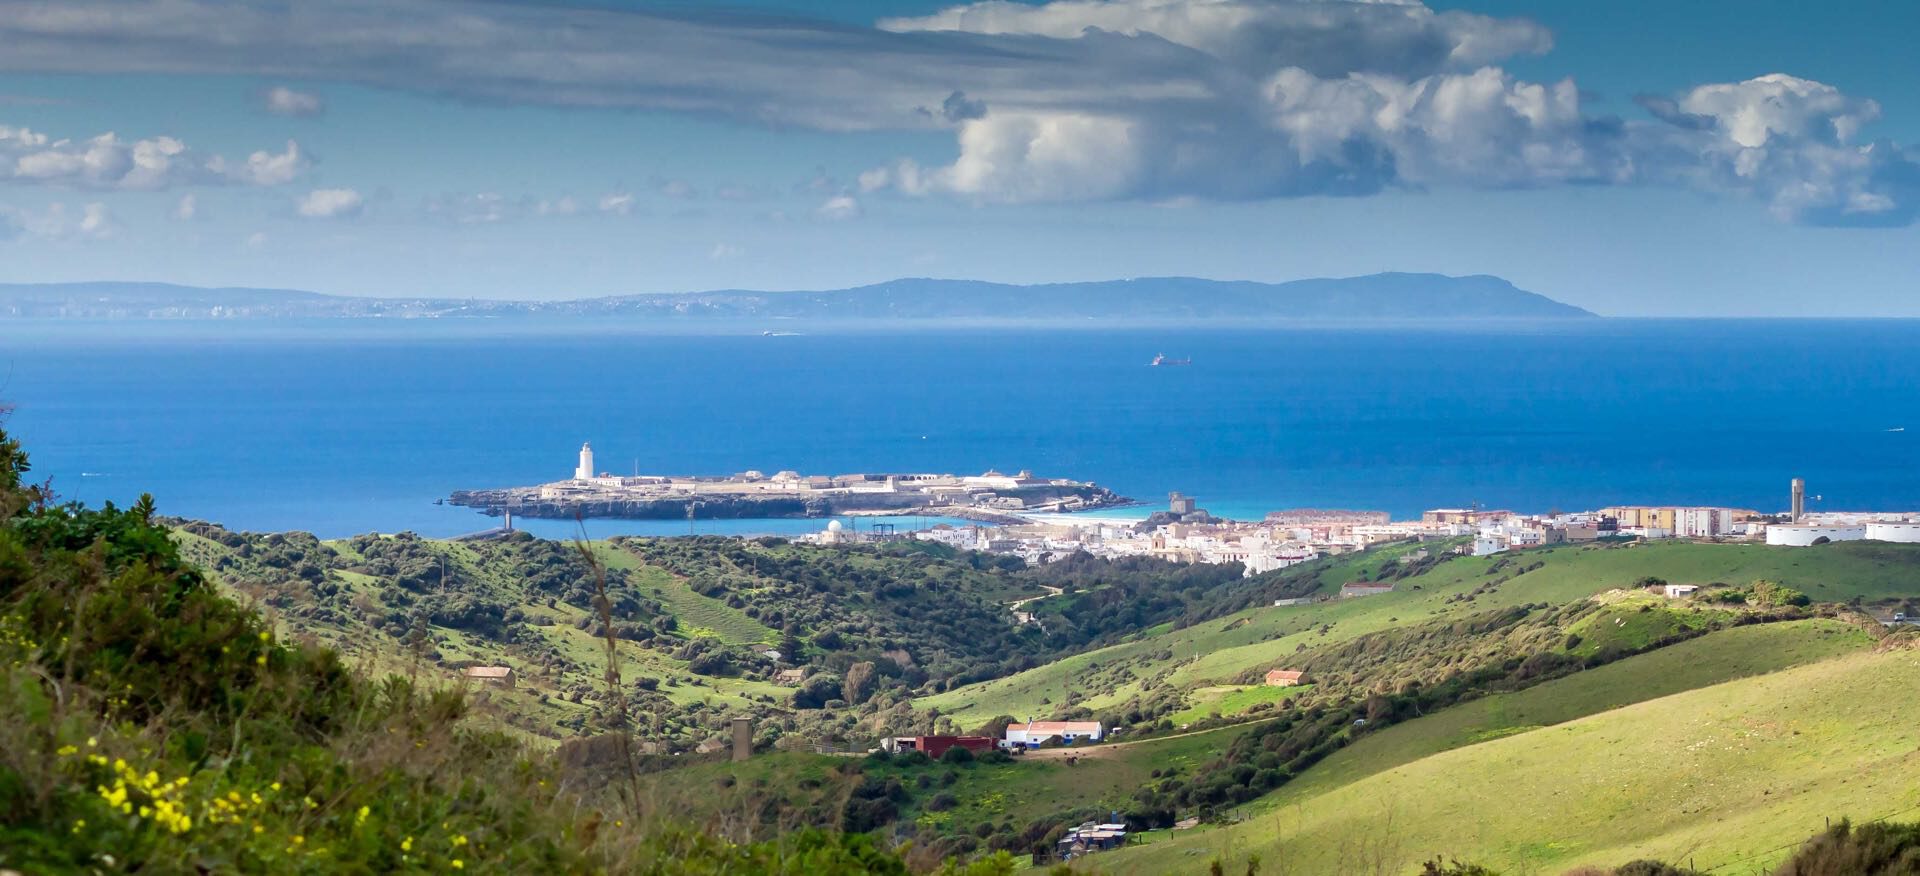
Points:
1877	849
957	755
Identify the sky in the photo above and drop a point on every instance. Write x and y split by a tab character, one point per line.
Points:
1633	157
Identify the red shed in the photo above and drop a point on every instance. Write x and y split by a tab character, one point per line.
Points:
934	746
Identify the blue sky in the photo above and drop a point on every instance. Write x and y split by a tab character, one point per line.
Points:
1632	157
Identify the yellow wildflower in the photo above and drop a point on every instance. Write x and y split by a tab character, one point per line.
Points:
459	841
458	864
406	845
67	751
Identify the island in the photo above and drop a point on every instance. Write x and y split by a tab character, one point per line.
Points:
991	496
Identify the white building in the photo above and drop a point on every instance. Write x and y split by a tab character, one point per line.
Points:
1033	733
1804	534
1488	543
1900	532
584	472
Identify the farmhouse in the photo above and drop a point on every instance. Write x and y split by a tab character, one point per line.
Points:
1681	591
790	677
1035	733
1284	677
498	676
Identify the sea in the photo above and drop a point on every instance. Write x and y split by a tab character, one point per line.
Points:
344	427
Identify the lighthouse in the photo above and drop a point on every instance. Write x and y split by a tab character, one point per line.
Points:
585	470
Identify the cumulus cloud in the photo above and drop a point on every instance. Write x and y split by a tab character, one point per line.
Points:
839	208
92	221
283	101
1794	143
1068	100
330	204
109	161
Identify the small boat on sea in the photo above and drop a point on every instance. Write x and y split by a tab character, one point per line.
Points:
1162	359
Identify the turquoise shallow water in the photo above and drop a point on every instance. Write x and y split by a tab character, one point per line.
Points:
345	428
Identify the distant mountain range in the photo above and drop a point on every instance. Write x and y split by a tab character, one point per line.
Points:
1390	297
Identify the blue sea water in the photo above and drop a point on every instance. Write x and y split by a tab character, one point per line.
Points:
343	427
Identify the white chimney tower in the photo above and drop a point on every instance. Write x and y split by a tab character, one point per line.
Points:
585	471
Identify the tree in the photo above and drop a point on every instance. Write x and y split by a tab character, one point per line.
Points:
858	685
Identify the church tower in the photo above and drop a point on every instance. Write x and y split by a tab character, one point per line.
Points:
585	470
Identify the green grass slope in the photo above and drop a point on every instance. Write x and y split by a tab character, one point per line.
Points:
1715	658
1727	774
1215	651
698	615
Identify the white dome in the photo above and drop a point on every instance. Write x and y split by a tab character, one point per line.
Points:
833	526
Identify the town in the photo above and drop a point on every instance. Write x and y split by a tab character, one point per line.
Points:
1186	533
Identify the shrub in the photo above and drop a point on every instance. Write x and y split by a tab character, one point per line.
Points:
1877	849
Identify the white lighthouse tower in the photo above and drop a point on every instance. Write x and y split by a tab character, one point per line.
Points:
585	471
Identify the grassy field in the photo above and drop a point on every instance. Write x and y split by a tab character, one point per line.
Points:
1726	775
1218	651
698	615
1715	658
1226	701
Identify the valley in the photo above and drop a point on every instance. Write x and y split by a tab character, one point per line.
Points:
1468	666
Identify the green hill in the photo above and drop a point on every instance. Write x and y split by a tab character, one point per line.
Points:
1220	649
1733	773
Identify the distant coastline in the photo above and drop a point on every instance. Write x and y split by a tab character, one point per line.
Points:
1388	298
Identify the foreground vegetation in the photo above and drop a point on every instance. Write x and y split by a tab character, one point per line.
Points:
149	723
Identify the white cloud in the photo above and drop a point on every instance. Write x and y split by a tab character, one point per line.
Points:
256	240
330	204
283	101
1069	100
93	221
839	208
726	252
108	161
1792	142
617	203
187	208
97	222
265	168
